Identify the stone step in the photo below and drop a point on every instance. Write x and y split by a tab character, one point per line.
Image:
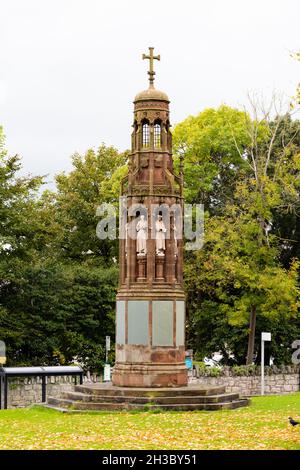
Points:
69	405
84	397
63	402
58	408
108	390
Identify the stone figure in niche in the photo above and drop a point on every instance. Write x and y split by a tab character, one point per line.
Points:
160	237
141	239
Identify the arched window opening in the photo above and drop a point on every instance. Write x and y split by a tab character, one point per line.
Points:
157	135
146	135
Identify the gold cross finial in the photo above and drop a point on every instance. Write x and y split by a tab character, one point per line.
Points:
151	58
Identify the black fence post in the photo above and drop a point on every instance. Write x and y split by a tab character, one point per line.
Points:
1	388
43	389
5	392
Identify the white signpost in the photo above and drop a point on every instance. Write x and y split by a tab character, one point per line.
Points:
106	377
107	347
2	353
264	337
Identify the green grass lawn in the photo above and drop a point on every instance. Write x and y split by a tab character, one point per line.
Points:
263	425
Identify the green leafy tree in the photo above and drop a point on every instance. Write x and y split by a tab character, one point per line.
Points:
209	145
234	277
56	304
94	180
238	272
18	224
56	314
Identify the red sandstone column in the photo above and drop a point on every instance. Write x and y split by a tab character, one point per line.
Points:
180	262
122	261
170	261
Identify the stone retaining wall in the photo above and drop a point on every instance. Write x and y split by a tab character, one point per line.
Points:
24	392
275	383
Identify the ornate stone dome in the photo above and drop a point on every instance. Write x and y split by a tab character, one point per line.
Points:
151	94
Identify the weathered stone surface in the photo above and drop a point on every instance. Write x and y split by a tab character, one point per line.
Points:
274	384
108	397
24	392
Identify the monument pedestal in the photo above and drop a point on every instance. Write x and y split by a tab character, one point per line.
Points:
150	335
150	374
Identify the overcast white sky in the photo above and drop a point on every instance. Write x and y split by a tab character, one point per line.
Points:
69	69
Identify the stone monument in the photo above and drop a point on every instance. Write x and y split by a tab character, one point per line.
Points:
150	315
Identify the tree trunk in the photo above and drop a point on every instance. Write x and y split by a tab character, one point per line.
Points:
251	338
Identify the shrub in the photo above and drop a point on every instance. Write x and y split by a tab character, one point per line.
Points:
244	370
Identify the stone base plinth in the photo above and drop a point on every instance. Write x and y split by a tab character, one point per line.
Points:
150	375
150	343
146	366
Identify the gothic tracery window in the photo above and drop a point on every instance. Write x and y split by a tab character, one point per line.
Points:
146	135
157	135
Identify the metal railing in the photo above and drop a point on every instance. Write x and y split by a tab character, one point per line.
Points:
43	372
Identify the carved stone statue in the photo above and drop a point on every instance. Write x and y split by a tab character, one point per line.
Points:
160	237
142	235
